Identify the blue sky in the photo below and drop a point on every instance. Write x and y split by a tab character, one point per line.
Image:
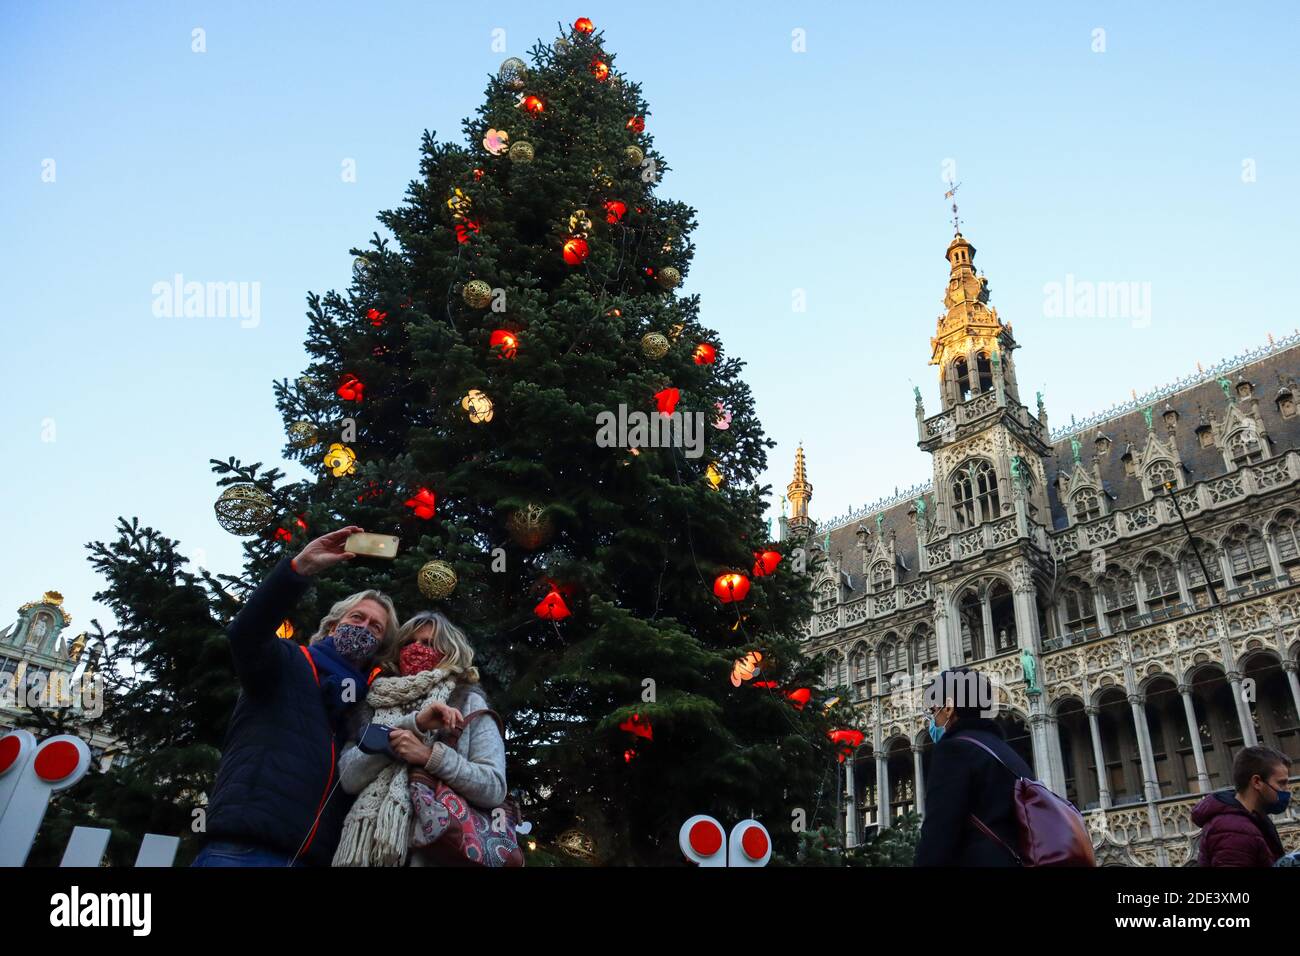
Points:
819	170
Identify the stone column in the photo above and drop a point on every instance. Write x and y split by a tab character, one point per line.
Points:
943	629
918	771
1243	710
1290	667
882	791
1151	787
1194	730
1103	790
988	645
851	801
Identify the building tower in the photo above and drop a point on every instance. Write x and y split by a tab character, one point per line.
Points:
799	492
988	449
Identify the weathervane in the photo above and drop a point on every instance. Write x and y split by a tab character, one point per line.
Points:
952	194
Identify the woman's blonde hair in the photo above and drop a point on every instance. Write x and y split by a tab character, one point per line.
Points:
341	609
448	639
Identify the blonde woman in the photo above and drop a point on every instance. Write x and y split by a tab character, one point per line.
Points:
271	804
428	683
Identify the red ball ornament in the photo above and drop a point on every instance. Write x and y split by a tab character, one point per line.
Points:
600	69
799	697
376	317
552	607
576	250
765	562
848	739
666	400
351	389
705	354
636	124
731	587
583	25
636	725
507	342
422	503
533	104
615	209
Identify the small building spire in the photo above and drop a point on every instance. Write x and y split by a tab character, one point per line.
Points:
799	491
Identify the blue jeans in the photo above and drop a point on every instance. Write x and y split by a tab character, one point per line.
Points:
229	853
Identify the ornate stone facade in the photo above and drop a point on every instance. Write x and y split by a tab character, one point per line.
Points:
1142	568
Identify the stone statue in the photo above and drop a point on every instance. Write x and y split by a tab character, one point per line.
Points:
1029	668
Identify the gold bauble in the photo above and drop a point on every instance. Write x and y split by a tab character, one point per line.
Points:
577	844
530	527
513	73
477	294
303	434
634	156
478	405
522	152
437	580
579	224
668	277
654	345
243	509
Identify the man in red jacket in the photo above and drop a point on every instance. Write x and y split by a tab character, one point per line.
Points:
1235	828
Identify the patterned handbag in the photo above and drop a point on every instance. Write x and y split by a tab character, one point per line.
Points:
455	833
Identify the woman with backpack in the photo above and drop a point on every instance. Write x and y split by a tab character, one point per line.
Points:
972	777
429	787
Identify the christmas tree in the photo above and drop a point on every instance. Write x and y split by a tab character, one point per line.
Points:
515	388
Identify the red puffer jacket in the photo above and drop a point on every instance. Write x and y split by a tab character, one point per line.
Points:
1233	836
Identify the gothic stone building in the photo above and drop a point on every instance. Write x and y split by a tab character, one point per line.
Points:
1131	584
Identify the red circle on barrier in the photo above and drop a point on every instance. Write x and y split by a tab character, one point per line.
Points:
705	838
754	843
56	761
9	748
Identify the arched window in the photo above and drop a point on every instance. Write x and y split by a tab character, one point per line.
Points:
1246	447
1286	539
1086	504
1078	605
974	493
926	648
961	379
1160	581
1247	556
1119	597
985	370
1157	473
882	577
1197	587
827	595
859	669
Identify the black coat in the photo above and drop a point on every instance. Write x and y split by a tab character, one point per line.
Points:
278	759
962	780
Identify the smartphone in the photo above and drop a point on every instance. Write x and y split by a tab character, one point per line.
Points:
372	545
374	740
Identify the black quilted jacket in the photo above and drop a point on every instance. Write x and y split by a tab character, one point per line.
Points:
278	759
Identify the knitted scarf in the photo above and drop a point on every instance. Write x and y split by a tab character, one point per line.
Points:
377	830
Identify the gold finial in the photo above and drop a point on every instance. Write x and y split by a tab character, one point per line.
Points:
799	491
952	194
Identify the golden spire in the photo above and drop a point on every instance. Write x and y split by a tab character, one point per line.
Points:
799	491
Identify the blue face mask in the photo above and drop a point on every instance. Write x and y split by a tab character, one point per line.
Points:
934	729
1280	804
